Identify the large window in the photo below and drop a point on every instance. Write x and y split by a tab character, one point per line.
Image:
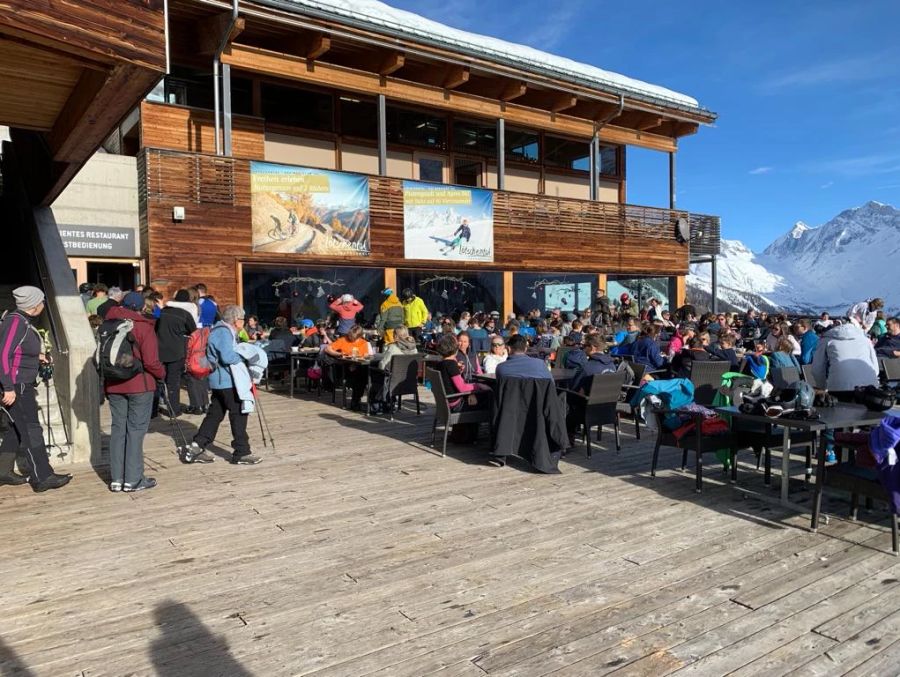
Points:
187	87
522	146
479	138
302	291
452	292
546	291
567	153
415	128
298	107
609	160
359	118
642	289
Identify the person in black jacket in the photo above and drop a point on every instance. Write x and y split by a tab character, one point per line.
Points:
21	355
172	329
889	344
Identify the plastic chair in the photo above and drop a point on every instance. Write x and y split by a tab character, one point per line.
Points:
403	379
707	377
810	378
784	377
444	415
600	405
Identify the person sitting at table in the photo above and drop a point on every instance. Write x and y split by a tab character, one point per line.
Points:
623	339
496	356
518	364
352	344
403	344
724	350
490	326
597	362
476	330
318	338
280	332
468	360
448	348
646	348
693	352
784	355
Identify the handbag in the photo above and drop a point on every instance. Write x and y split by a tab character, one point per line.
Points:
314	373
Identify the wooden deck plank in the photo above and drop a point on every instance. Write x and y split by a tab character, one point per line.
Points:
355	549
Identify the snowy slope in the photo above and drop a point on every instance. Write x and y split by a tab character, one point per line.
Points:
850	258
378	15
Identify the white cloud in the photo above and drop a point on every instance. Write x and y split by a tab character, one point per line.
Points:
553	25
760	170
850	70
827	184
855	167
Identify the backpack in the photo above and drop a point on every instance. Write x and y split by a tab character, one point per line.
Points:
197	363
115	357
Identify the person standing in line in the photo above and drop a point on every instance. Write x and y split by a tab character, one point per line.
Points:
174	326
415	314
209	311
221	352
100	294
131	401
21	354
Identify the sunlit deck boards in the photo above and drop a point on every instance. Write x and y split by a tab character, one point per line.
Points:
355	551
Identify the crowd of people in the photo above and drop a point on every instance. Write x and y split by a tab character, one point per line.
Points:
188	341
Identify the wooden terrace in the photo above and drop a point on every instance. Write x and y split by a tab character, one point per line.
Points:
355	550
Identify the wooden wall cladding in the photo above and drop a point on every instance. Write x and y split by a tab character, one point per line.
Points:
531	232
193	131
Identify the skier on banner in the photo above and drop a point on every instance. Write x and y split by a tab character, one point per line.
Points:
463	232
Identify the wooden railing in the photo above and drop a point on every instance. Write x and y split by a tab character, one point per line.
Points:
199	179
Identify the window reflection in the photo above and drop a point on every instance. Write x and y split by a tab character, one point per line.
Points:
522	146
642	289
450	292
546	291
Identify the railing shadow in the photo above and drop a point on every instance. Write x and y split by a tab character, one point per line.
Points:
11	665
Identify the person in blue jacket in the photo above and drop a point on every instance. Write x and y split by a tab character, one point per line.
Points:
209	310
645	349
221	353
518	364
809	341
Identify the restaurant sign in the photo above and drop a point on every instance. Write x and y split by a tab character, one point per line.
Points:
99	241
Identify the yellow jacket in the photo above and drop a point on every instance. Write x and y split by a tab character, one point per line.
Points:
415	313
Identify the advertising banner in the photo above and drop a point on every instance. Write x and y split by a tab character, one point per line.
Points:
453	223
300	210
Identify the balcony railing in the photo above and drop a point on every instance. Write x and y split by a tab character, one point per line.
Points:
199	179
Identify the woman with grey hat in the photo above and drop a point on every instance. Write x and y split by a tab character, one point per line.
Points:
21	354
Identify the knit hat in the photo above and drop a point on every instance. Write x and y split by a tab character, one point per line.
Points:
307	324
182	296
133	301
28	297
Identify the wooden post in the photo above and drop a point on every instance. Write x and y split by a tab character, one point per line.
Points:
239	273
601	281
508	307
680	291
390	279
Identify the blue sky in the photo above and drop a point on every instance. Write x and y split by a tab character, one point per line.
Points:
807	92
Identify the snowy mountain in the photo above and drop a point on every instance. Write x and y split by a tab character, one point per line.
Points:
848	259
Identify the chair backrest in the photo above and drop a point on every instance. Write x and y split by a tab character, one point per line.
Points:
441	406
638	370
481	344
707	377
785	376
404	378
809	377
891	368
275	347
607	388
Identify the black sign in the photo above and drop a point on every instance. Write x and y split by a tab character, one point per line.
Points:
98	241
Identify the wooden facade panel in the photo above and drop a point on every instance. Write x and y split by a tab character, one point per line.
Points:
193	130
531	232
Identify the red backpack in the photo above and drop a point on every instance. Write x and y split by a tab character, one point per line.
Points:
196	363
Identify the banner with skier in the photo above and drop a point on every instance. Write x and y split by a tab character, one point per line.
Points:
300	210
453	223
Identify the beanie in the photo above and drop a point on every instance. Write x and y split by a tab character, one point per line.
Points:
28	297
133	300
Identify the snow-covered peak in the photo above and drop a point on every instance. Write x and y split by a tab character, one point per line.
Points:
798	230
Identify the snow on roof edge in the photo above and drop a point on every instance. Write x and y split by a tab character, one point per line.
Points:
373	14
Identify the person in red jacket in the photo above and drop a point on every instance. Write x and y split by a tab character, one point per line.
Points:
131	401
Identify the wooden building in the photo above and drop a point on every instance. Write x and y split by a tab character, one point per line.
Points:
395	98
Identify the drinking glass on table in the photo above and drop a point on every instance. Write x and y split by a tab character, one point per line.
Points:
354	352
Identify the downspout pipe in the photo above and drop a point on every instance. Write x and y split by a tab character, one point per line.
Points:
217	62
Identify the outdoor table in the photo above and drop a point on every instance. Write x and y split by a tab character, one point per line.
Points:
830	418
304	354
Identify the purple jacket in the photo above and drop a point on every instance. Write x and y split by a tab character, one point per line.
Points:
20	349
883	441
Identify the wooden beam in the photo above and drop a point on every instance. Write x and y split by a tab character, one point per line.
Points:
563	102
318	46
512	91
455	77
210	31
75	111
650	122
680	129
392	63
257	60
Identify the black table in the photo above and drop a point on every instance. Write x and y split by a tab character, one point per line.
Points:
830	418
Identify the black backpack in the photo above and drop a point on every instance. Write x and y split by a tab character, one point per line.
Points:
115	358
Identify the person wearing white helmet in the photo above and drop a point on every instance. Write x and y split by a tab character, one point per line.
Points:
347	308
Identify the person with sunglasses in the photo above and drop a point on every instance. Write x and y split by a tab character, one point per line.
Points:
497	355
